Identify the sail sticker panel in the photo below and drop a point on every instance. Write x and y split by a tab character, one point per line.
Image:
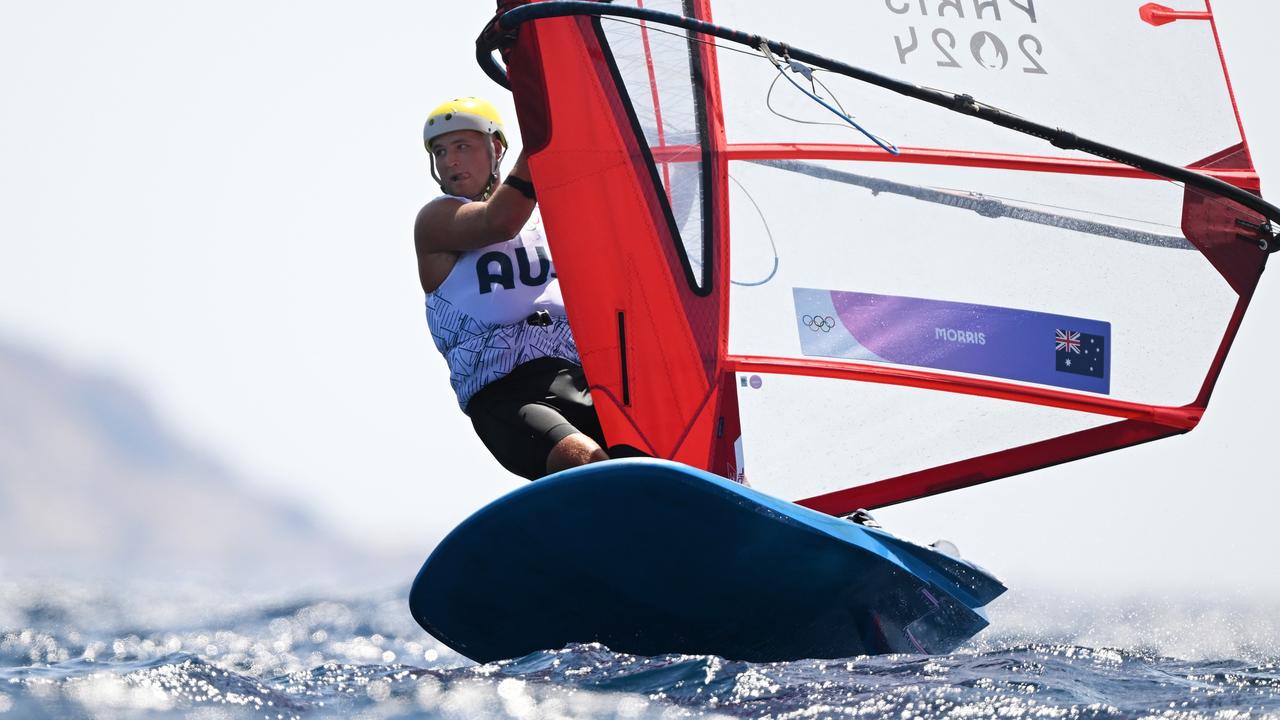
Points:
1009	343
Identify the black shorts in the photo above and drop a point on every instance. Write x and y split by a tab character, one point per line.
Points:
523	415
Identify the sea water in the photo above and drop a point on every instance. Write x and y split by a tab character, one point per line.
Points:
80	650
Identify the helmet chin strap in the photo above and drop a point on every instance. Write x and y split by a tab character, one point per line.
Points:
495	160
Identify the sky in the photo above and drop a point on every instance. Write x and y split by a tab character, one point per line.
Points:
216	202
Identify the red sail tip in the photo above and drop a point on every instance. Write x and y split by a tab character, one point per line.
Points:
1157	14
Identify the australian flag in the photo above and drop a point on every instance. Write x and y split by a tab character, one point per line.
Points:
1080	353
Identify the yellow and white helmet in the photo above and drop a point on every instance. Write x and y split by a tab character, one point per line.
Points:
468	113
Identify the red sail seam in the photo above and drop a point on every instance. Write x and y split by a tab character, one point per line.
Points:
1247	179
1182	418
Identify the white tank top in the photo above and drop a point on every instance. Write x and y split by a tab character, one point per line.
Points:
479	315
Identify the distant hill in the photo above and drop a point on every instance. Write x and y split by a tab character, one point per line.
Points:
93	483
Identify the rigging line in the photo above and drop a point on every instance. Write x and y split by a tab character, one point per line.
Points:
802	69
773	245
981	204
768	102
814	78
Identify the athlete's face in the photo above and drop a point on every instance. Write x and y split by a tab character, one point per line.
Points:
464	160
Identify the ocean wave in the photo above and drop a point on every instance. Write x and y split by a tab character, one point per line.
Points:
71	651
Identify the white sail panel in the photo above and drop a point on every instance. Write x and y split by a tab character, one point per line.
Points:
883	431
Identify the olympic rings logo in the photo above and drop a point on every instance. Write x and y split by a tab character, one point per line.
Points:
819	323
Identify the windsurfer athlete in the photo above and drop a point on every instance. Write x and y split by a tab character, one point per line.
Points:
493	300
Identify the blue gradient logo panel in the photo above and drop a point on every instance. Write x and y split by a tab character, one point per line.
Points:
1008	343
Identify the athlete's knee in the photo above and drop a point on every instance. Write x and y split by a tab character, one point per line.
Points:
574	450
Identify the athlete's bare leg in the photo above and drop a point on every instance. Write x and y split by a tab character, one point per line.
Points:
574	450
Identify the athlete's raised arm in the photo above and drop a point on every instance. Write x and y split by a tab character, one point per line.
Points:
450	223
